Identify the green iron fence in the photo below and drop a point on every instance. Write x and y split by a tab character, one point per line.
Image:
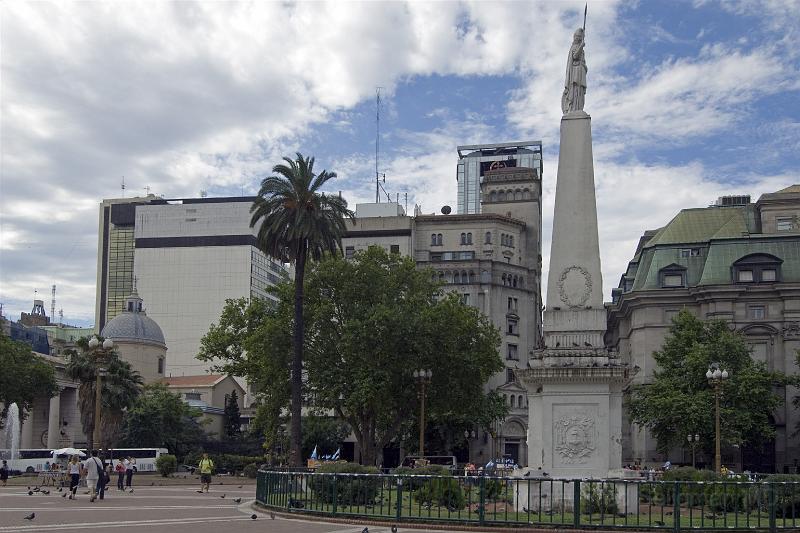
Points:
584	504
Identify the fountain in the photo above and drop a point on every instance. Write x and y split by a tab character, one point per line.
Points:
11	434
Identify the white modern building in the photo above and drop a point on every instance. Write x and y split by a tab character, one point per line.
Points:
188	257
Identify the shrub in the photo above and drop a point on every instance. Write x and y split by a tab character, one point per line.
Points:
495	489
250	470
442	491
787	496
599	498
349	489
166	464
411	483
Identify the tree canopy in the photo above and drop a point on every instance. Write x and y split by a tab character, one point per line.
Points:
24	377
369	323
679	401
232	417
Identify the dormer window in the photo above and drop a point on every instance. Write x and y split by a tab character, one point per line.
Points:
757	268
672	276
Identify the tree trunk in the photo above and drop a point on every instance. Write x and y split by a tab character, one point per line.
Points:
295	432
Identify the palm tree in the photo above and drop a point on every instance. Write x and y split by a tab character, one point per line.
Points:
121	386
298	222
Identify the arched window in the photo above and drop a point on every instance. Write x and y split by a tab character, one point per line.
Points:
441	277
526	194
511	241
463	238
503	239
469	238
519	401
505	398
757	268
504	279
493	196
514	281
471	276
464	277
488	238
501	196
485	276
439	239
518	195
513	398
509	195
521	283
433	240
456	277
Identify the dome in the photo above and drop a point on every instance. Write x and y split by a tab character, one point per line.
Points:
133	325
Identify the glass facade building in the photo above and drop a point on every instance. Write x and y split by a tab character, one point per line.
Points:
475	160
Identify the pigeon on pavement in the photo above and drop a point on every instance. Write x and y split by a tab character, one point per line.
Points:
394	528
64	495
253	516
272	516
237	500
223	496
30	493
365	530
30	516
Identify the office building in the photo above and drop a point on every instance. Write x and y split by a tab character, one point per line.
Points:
736	261
188	257
474	160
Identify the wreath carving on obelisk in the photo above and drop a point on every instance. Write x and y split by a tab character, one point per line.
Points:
575	286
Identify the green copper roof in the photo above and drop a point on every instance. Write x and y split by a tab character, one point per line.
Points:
701	225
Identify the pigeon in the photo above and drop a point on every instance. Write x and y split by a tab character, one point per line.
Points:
272	516
394	528
575	344
587	344
365	530
29	488
64	495
253	516
45	492
223	496
152	483
239	487
237	500
30	493
36	489
30	516
658	522
525	510
558	344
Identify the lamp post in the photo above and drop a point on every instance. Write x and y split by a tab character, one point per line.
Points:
99	352
715	377
423	377
467	435
693	440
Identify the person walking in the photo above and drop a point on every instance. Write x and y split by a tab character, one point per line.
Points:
206	466
130	468
74	469
95	479
120	470
4	472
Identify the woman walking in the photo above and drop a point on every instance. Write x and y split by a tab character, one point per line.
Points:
120	470
130	468
74	476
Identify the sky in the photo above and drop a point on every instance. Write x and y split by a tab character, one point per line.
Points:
690	100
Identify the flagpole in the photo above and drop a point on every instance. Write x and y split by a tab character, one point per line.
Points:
585	9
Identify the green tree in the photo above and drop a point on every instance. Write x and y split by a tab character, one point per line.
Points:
297	222
120	388
369	323
161	419
232	417
679	400
24	377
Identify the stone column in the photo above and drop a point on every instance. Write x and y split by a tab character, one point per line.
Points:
54	422
26	435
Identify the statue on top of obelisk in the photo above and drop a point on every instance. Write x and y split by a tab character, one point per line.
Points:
575	84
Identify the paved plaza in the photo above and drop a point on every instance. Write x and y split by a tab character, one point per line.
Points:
173	509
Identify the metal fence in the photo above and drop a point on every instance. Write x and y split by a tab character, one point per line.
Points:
540	502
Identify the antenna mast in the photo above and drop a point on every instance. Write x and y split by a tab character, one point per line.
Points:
123	186
53	304
377	142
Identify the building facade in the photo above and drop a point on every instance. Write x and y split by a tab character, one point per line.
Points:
476	159
188	256
736	261
493	260
209	393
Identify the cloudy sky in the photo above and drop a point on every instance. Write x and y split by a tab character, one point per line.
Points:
689	100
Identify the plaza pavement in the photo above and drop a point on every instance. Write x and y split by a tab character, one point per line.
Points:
169	509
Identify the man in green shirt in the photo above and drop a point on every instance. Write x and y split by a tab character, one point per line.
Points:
206	466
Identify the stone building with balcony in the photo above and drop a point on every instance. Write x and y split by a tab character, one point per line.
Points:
736	261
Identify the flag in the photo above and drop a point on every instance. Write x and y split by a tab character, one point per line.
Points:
314	453
336	454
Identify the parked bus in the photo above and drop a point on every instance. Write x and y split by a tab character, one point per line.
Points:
34	460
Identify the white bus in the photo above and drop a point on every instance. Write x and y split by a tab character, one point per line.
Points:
34	460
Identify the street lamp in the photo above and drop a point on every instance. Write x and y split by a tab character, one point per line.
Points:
423	377
693	440
99	351
715	377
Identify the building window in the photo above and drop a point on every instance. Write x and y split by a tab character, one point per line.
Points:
784	224
349	251
485	276
439	239
672	280
160	365
511	241
469	238
463	238
513	400
511	353
509	375
512	326
433	239
488	238
519	401
512	304
394	248
757	268
192	396
756	312
465	298
690	252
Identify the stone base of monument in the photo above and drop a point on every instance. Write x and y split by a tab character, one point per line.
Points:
554	496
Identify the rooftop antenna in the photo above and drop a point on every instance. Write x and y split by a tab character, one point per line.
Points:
53	303
61	317
585	9
377	143
147	189
123	186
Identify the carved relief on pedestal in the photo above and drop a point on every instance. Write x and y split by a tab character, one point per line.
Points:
575	286
574	433
791	330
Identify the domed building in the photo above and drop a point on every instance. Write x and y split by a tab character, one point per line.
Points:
138	339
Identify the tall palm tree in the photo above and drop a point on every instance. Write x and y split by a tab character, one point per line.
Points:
298	222
121	386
